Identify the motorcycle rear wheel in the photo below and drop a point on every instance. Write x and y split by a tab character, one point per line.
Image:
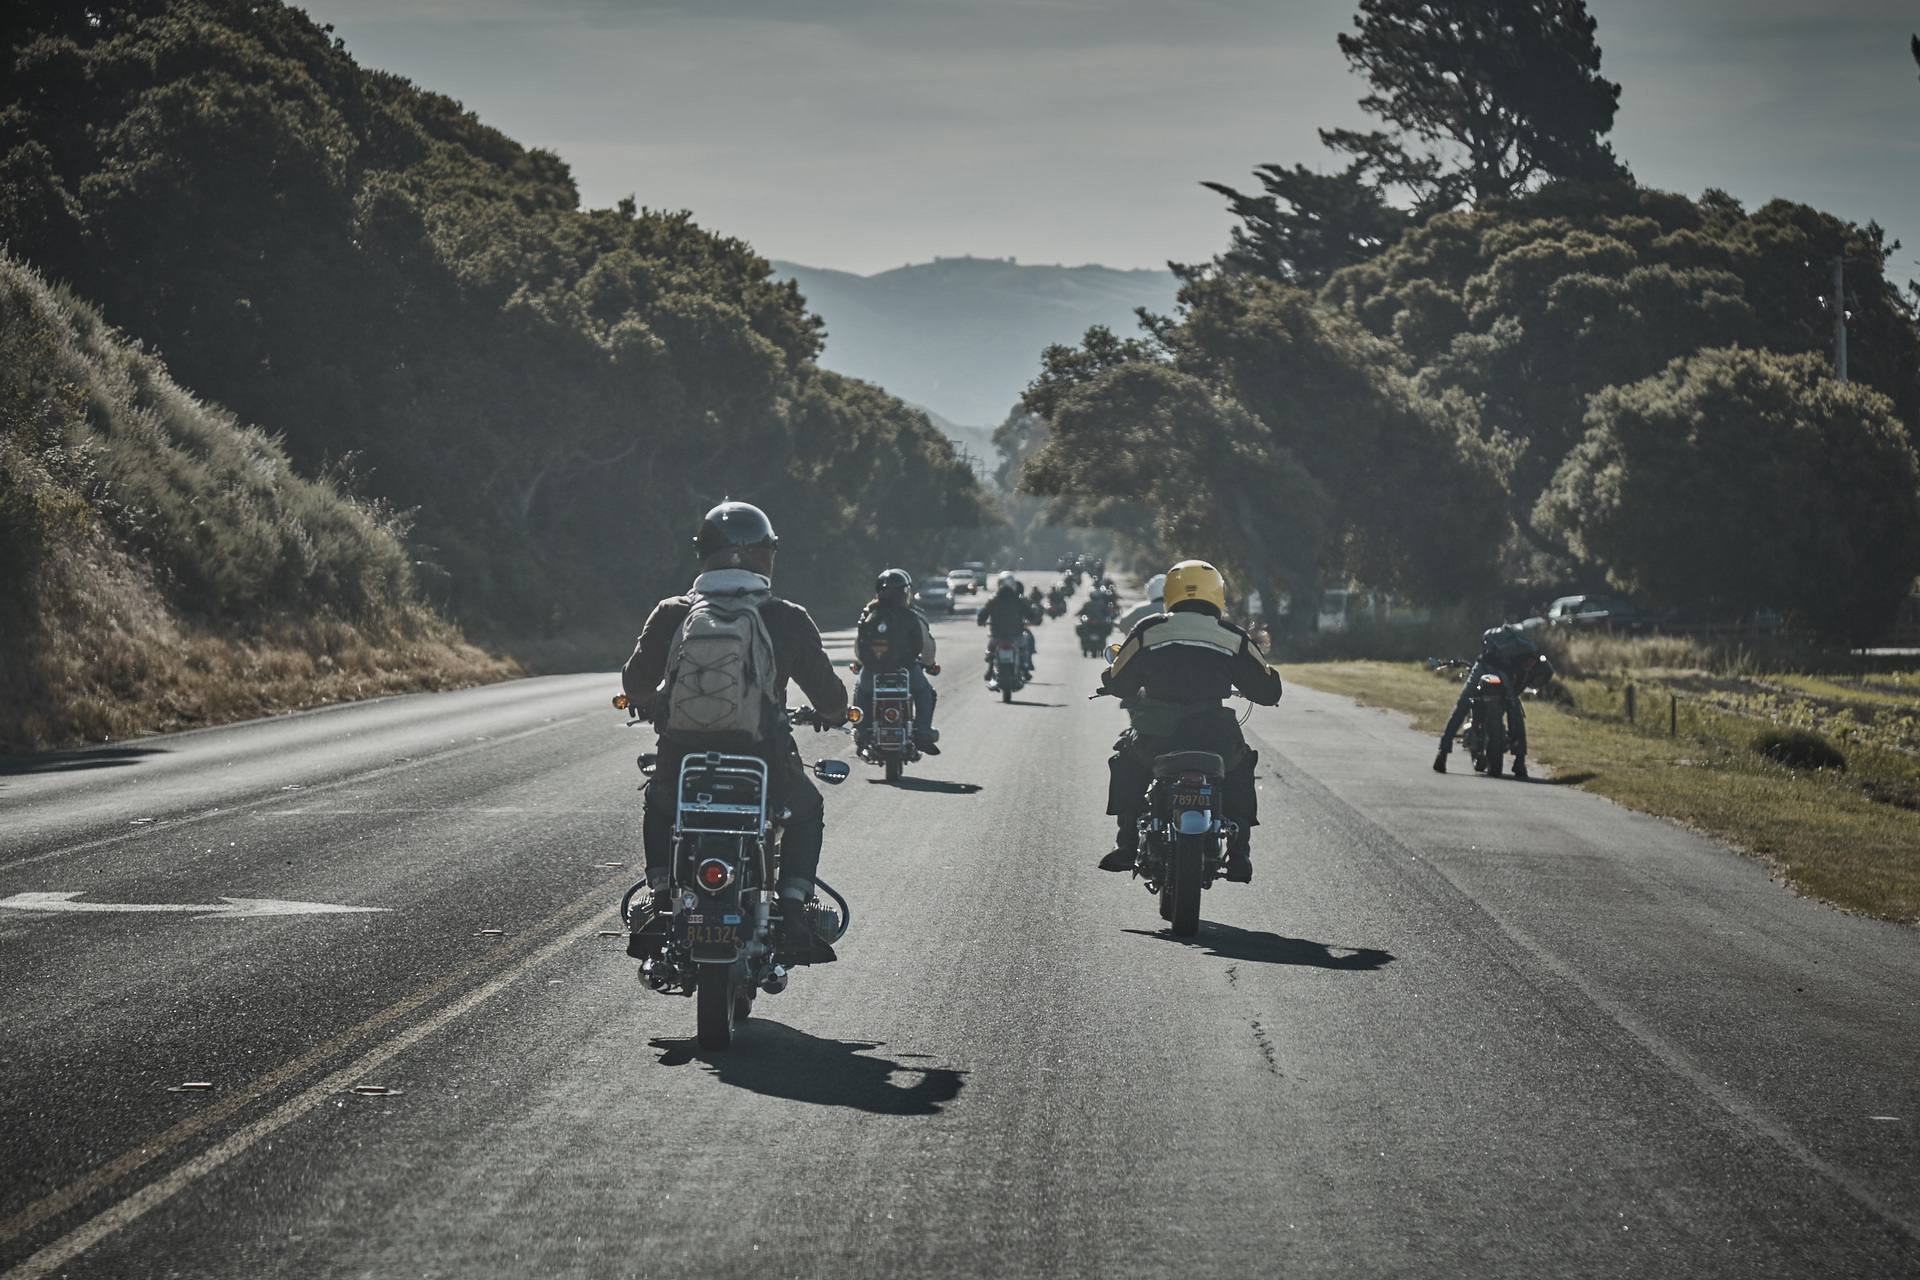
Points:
1189	865
1006	694
895	768
714	1008
1496	748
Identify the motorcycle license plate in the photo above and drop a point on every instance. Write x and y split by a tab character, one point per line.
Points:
708	937
1192	800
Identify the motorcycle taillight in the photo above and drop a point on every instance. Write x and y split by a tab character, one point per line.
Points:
1193	779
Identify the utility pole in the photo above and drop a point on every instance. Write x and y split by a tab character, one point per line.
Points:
1840	317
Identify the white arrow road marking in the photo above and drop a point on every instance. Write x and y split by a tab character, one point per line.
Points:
225	909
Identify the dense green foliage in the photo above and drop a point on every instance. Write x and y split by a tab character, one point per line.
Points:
1750	478
1659	363
366	269
1276	438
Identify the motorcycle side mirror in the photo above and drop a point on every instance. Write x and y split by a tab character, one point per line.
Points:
1113	654
832	770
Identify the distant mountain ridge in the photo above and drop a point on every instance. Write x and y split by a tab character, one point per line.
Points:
963	336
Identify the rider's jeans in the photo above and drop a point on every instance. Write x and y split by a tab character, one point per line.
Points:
924	698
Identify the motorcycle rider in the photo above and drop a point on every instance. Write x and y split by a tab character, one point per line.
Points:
735	548
893	635
1511	654
1009	615
1096	617
1172	675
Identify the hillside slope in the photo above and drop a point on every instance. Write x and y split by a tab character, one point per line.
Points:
163	565
963	336
367	269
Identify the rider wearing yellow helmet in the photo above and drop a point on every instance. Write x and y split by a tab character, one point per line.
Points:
1173	674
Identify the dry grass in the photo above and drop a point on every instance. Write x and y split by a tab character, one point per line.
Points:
115	663
1830	835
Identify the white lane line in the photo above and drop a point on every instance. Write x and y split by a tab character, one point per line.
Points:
158	1192
277	797
225	909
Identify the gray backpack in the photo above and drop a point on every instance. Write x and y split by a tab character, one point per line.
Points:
720	672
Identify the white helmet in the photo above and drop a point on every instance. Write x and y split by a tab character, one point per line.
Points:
1006	580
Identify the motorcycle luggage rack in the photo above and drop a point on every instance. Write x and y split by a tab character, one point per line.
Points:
712	789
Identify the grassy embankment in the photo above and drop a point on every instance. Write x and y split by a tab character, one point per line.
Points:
1848	835
163	566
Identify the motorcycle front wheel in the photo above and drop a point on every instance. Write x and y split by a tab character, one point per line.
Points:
714	1008
1189	865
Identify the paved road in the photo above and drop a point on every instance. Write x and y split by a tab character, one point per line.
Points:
1457	1027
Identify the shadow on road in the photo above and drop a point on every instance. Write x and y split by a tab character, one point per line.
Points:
1022	702
74	761
1257	947
1568	779
778	1061
930	784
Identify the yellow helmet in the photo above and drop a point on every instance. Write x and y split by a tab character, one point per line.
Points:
1195	580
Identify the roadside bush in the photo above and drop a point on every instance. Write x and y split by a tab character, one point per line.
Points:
1748	478
1800	749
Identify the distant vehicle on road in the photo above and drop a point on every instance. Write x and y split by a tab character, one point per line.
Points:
934	596
1611	612
962	582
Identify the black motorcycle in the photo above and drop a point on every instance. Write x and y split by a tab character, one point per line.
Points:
885	736
1485	733
710	935
1183	836
1006	673
1093	633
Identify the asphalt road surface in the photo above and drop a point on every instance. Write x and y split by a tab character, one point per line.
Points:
1456	1027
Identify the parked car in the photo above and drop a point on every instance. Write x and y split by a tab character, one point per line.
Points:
934	596
1612	612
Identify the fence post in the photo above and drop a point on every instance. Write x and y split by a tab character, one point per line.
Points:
1673	715
1629	704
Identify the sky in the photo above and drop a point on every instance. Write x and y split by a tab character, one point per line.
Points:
865	134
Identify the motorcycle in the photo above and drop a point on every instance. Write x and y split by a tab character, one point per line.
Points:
1182	835
1006	673
1485	733
710	935
888	741
1093	633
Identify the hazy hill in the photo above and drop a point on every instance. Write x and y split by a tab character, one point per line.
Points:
962	336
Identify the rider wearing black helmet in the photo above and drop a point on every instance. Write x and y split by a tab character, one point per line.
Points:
892	635
1009	615
735	547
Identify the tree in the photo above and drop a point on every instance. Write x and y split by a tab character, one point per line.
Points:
1515	85
1308	225
1140	433
1749	479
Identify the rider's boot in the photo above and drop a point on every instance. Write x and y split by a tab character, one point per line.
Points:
927	741
1440	761
1520	769
1240	857
1126	849
793	938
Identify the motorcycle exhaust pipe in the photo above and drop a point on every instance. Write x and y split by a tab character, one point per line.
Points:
776	981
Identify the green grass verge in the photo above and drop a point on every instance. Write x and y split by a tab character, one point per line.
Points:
1848	838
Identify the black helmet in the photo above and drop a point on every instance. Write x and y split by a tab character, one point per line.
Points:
892	586
736	525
